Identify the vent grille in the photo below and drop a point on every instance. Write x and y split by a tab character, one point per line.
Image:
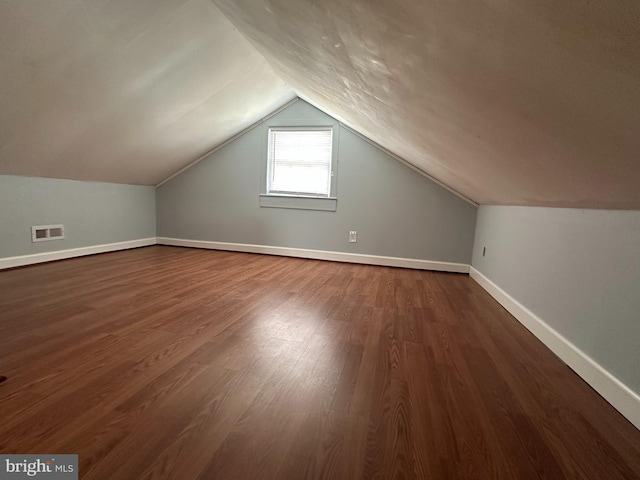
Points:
47	232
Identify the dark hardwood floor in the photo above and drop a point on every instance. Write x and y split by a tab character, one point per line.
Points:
174	363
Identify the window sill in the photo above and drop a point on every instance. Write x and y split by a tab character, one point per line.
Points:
327	204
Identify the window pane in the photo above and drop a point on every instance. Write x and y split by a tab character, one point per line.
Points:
300	161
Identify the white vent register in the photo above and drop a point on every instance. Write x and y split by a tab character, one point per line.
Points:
43	233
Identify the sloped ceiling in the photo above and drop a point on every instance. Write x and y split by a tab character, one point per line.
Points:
526	102
124	91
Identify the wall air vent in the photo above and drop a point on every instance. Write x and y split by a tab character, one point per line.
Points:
43	233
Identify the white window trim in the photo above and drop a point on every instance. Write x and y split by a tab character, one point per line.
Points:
272	162
302	202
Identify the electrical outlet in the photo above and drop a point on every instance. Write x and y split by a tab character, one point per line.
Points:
353	236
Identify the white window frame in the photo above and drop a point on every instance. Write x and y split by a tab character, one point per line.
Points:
298	201
271	164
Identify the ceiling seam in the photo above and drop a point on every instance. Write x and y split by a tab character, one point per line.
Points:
410	165
227	142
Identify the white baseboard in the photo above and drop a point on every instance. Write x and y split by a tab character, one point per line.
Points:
22	260
320	255
623	399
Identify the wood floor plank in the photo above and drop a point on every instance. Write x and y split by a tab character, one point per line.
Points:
165	363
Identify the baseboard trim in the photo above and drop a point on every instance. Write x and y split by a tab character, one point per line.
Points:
23	260
319	255
621	397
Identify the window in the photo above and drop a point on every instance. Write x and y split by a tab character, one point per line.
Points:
299	165
299	161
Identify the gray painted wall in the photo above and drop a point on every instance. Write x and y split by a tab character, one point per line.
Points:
578	270
92	213
395	211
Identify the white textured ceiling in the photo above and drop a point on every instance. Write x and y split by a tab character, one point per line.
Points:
524	102
123	91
